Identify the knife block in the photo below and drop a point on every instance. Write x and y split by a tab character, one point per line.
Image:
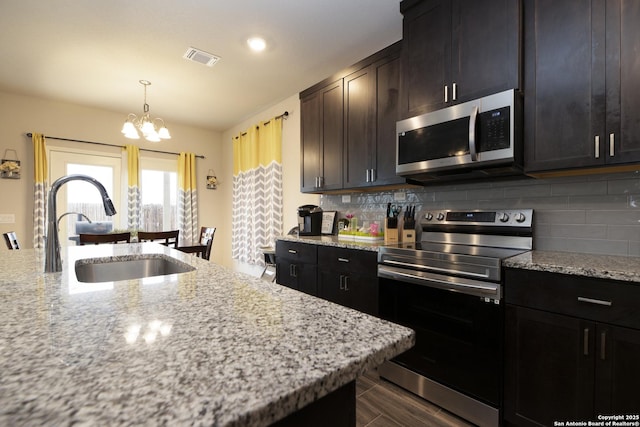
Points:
409	236
391	234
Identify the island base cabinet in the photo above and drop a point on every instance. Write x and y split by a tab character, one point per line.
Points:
337	409
562	368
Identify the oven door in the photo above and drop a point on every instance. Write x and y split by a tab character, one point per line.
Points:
458	336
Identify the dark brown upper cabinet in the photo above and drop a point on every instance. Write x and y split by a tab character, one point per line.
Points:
348	126
370	114
321	138
582	80
456	51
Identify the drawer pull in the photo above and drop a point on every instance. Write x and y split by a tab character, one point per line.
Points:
585	342
595	301
343	259
293	251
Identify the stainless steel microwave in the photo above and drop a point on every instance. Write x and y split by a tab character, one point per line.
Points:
482	137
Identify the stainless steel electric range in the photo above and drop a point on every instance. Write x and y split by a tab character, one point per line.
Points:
448	288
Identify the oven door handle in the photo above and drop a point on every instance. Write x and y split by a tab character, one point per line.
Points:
436	269
447	283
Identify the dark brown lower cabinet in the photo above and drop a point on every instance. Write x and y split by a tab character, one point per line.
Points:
561	367
349	277
296	266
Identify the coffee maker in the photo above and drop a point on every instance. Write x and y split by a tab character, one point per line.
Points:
310	220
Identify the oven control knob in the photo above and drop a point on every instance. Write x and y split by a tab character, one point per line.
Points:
428	216
520	217
440	216
504	217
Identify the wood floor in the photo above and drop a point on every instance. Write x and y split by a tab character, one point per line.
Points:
380	403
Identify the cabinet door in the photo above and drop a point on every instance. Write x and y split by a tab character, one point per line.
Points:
617	370
360	292
564	84
387	108
296	275
622	138
549	367
311	141
426	56
485	48
321	139
359	130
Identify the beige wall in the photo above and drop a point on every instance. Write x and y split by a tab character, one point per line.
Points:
21	114
292	197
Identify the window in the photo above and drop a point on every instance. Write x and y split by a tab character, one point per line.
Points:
82	197
158	188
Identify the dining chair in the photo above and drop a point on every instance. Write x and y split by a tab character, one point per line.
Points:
11	239
167	238
203	250
96	239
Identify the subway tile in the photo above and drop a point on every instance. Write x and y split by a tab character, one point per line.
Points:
579	188
554	216
578	231
449	196
485	193
614	217
589	246
530	191
624	232
598	202
624	186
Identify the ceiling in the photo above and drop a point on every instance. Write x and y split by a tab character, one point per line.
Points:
95	52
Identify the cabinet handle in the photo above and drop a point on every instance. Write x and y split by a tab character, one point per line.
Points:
612	140
455	92
343	259
603	346
320	181
446	93
595	301
597	146
585	340
346	283
368	175
293	251
341	282
373	175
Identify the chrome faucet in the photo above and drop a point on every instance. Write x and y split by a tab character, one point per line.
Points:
52	261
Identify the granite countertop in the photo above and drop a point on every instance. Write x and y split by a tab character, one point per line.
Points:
334	241
207	347
614	267
588	265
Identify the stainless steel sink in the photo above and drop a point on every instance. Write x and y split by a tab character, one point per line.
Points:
94	270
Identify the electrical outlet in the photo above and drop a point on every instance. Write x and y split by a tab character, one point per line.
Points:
400	196
346	198
7	218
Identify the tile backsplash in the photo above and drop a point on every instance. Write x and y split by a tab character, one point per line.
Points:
598	214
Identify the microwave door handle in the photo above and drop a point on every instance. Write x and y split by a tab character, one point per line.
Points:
472	134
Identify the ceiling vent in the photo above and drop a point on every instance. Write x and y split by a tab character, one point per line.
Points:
201	57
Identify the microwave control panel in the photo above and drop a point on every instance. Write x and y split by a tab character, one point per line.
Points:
494	129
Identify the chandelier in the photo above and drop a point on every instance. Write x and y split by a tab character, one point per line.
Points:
152	129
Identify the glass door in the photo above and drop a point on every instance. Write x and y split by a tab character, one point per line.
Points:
81	199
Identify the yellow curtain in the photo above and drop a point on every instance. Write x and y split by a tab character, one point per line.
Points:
40	175
257	190
187	199
134	196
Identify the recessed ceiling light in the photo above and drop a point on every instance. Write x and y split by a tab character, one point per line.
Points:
257	44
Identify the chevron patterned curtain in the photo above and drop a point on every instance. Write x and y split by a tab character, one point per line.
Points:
187	199
134	198
257	191
40	174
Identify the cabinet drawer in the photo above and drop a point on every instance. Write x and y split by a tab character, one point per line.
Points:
301	252
600	300
351	260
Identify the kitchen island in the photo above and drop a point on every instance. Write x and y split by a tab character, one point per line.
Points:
206	347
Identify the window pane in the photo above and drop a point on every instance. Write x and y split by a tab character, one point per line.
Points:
159	207
85	198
